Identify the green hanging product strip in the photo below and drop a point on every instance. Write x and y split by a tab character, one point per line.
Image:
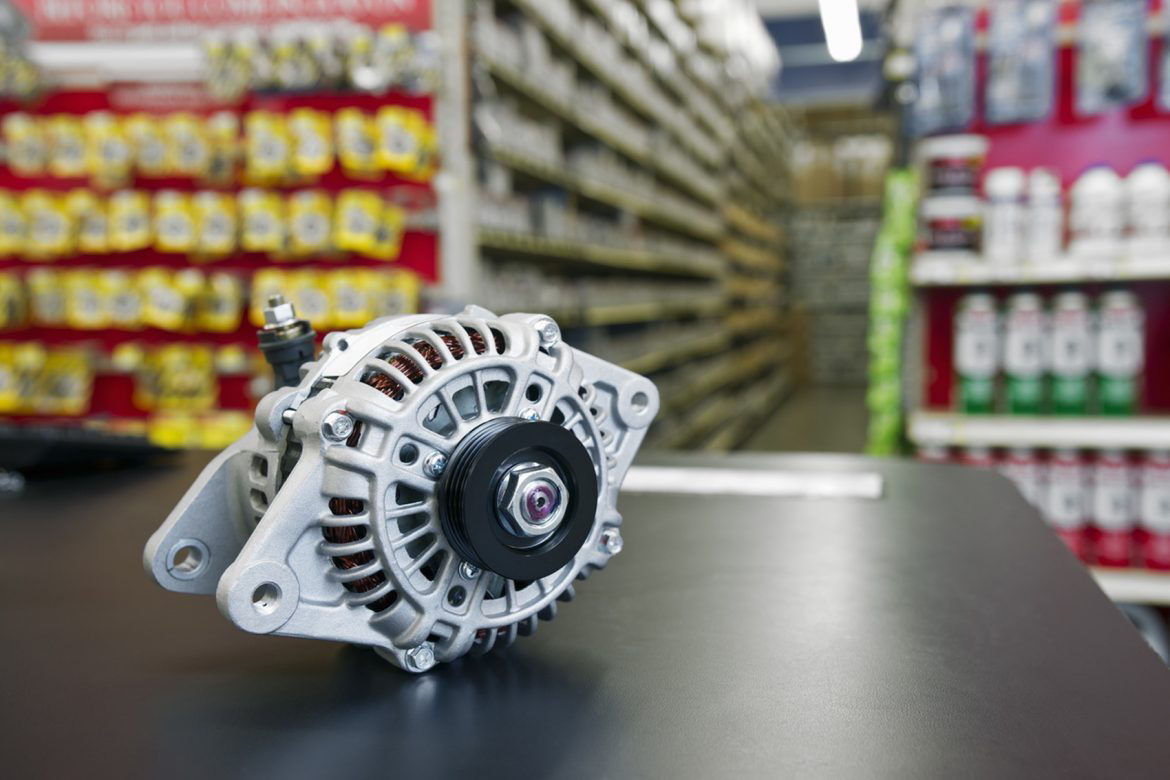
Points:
888	306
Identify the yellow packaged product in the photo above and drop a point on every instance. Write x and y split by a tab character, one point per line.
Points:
221	307
85	307
262	221
148	143
129	220
188	145
12	225
267	148
24	143
310	223
178	377
311	133
9	379
357	222
65	383
390	236
46	297
28	360
356	141
399	145
88	213
349	292
174	222
108	155
13	307
66	146
265	283
49	229
164	305
121	298
309	293
215	223
223	132
400	295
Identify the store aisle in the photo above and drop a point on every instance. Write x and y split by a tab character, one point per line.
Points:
818	418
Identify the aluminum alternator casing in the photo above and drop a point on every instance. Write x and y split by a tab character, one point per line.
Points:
339	515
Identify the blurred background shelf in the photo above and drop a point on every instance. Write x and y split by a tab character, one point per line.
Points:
971	430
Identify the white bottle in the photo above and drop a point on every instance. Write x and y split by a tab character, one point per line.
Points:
1095	216
1147	208
1045	229
1003	215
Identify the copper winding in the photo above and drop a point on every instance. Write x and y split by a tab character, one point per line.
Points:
388	386
352	533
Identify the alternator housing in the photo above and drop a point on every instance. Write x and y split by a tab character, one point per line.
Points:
356	509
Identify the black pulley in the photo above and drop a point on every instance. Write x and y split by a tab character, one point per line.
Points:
468	496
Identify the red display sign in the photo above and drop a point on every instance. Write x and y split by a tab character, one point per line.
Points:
147	20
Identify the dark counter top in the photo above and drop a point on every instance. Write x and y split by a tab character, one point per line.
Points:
940	631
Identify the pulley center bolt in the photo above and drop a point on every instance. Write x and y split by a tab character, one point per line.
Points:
532	500
540	499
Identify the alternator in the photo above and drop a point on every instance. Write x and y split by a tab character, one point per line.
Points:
431	488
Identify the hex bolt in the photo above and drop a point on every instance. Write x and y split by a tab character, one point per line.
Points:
530	414
435	465
532	500
421	658
549	332
278	311
337	426
468	570
611	541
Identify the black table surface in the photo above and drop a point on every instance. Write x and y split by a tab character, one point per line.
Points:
942	631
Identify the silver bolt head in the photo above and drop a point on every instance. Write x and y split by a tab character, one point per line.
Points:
611	541
279	312
435	464
337	426
421	658
515	490
531	415
468	570
549	332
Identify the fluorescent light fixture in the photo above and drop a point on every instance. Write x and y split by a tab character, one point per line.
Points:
842	29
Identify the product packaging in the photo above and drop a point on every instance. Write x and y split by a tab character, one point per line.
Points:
1112	53
1023	353
1045	217
1003	216
1120	352
1096	215
1154	510
1114	492
1070	353
944	47
1147	209
66	146
1066	500
977	352
1021	60
952	224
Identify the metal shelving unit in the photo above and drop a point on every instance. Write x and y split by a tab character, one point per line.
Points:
602	154
972	430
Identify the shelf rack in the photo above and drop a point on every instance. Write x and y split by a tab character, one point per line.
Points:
686	176
969	430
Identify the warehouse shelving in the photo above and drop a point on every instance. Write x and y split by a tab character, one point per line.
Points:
950	269
953	429
707	196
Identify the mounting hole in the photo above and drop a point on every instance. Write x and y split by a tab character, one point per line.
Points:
640	401
533	393
408	453
342	345
187	559
266	597
456	596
